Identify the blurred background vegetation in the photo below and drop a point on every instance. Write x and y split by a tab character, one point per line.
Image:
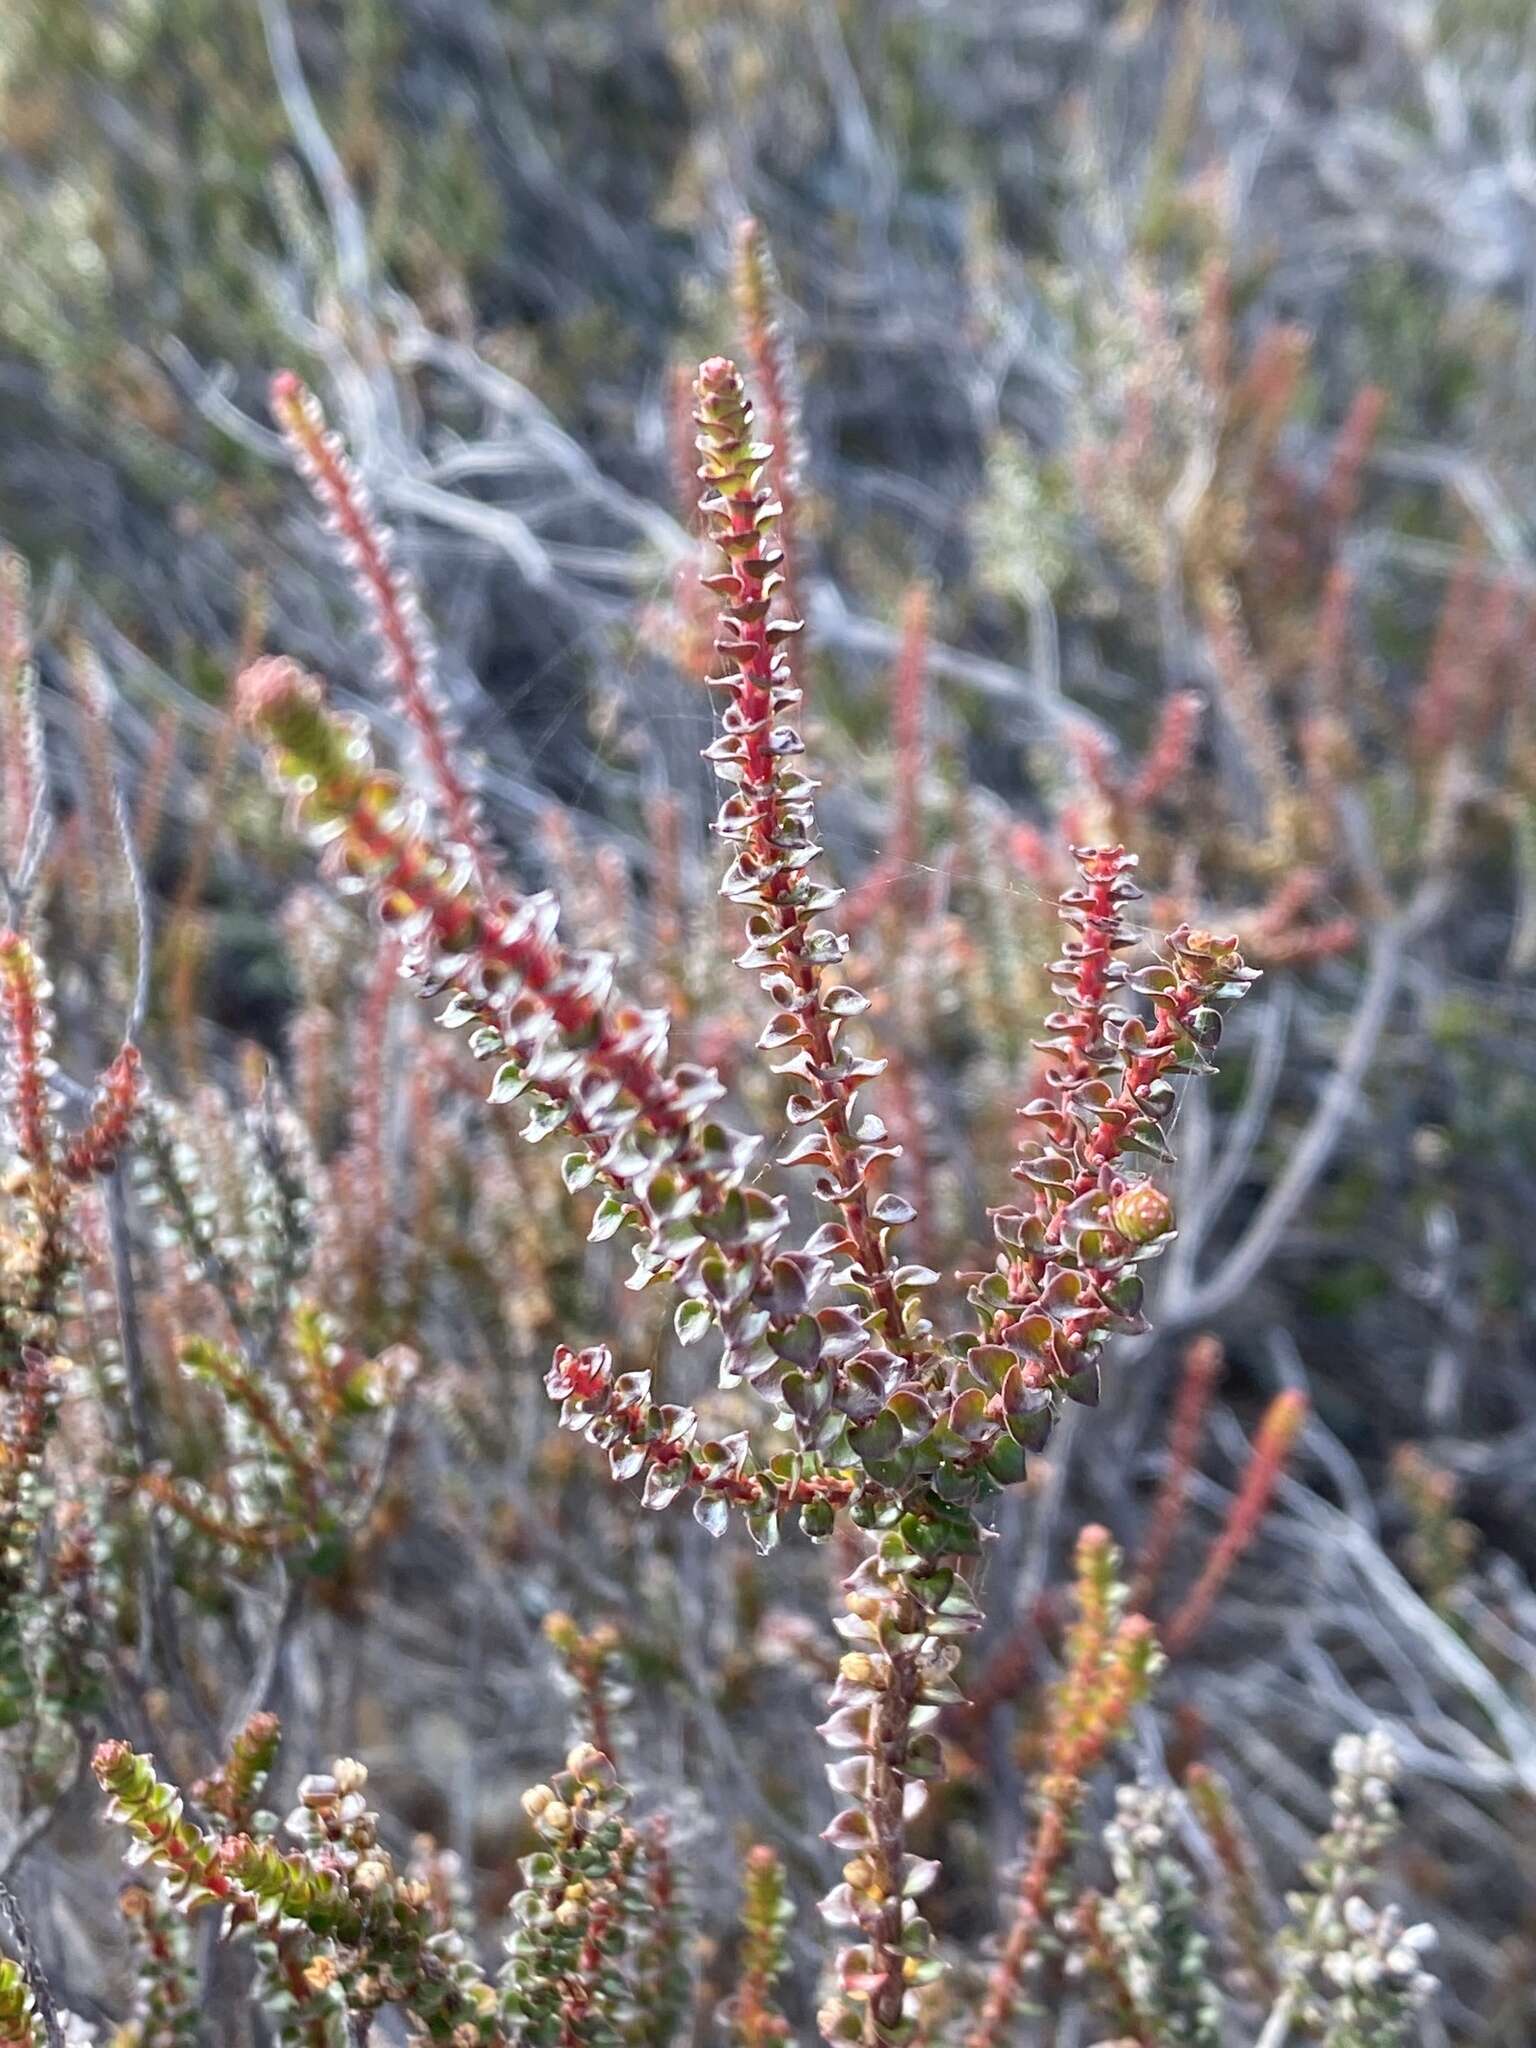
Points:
1143	352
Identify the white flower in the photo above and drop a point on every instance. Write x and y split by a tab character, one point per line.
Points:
1358	1917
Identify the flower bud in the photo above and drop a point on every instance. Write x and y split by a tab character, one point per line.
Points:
1141	1213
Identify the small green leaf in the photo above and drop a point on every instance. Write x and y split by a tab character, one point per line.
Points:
877	1438
692	1319
711	1513
509	1082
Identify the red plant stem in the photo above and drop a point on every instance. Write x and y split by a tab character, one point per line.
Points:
1203	1363
1440	702
1081	1028
1003	1982
762	782
888	1782
1243	1911
96	1149
587	1376
578	1987
410	879
1106	1675
1331	635
392	601
551	1007
755	2021
759	683
1272	1448
1213	334
1352	444
757	291
29	1094
1094	963
1168	756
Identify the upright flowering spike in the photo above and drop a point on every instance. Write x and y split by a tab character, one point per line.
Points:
1354	1973
188	1859
577	1916
1441	1544
1150	1929
759	310
663	1983
97	1148
107	880
1204	1362
389	593
1351	448
1163	765
768	822
903	1614
1283	1422
37	1252
751	2014
1066	1277
1111	1658
592	1668
1247	1924
29	1394
25	994
234	1790
155	785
